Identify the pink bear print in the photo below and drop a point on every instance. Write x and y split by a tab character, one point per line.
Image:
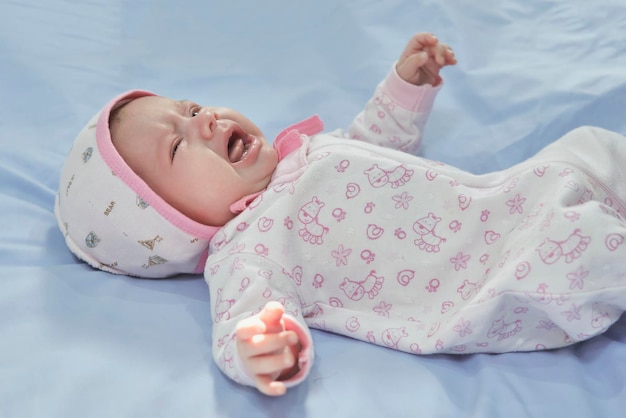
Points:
397	177
222	307
503	330
550	251
369	286
229	354
392	336
312	232
425	228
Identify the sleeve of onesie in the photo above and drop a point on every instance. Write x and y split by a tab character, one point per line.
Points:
396	114
240	285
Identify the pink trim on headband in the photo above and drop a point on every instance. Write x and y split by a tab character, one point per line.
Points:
116	163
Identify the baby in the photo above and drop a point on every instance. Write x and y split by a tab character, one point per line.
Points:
350	232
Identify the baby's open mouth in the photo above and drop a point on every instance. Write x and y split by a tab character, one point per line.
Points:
238	145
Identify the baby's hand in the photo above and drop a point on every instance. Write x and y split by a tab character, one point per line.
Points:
422	59
267	351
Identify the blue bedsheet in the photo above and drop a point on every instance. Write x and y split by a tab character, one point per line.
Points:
75	342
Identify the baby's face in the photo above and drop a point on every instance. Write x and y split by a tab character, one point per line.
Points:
198	159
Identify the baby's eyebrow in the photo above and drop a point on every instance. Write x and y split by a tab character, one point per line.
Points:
183	105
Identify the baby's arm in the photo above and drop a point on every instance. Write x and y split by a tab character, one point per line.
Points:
397	113
267	350
260	338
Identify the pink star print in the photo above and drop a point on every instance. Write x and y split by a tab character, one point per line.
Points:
546	324
460	261
577	277
515	204
463	328
341	255
402	200
383	309
573	314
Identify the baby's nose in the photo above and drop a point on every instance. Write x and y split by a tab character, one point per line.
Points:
206	123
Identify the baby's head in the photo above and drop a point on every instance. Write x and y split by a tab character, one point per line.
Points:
150	180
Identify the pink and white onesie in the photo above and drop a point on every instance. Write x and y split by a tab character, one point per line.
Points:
357	236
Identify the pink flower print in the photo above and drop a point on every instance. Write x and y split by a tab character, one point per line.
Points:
577	278
402	200
383	309
484	215
546	324
573	314
460	261
463	328
288	222
341	255
516	204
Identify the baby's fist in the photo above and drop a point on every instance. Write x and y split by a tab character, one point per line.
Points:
422	59
267	351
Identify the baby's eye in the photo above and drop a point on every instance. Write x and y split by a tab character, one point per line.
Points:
175	148
195	111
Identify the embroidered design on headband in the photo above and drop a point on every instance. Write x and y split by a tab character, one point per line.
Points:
150	243
87	154
92	240
142	204
154	260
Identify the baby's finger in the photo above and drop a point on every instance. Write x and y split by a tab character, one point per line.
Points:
271	363
270	387
417	43
424	39
272	315
265	344
408	69
448	55
249	327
